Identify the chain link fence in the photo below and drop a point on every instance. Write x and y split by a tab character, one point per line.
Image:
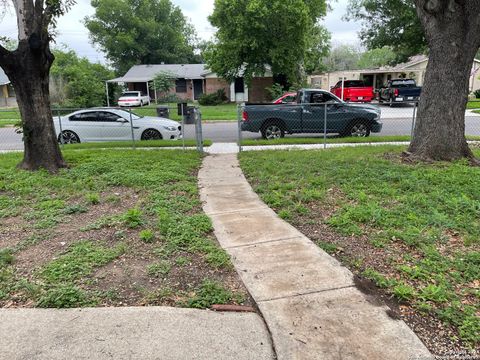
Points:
333	122
113	127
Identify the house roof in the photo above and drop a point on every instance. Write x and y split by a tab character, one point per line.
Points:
144	73
3	78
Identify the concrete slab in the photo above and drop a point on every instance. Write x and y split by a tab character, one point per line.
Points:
338	325
306	297
132	333
231	229
287	268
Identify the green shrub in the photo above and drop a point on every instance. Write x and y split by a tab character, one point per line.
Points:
147	236
214	99
275	91
477	93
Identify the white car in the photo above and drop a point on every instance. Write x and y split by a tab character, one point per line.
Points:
104	124
133	98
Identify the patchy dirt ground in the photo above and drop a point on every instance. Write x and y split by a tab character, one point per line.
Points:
107	247
358	254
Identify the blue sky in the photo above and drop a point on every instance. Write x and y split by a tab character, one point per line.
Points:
72	32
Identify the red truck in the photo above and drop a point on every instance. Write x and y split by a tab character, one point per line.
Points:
353	91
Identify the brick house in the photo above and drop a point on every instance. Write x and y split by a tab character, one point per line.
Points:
193	80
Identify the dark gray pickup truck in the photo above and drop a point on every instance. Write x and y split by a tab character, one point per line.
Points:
399	91
307	115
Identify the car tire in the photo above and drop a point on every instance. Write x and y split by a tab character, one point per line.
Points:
358	129
68	137
151	134
272	131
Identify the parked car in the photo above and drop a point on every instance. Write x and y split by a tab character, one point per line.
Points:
308	114
353	91
399	91
287	98
133	98
92	125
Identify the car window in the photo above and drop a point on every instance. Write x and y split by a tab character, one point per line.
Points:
403	83
354	83
106	116
132	93
299	97
86	116
320	98
126	115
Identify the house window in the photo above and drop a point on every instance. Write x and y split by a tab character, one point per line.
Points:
181	85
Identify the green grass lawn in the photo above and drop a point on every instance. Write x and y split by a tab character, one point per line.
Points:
334	140
138	144
226	112
475	104
116	228
412	229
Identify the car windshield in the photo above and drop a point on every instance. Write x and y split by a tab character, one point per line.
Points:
130	94
403	83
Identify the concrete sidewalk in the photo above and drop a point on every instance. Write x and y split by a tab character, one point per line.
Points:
132	333
309	301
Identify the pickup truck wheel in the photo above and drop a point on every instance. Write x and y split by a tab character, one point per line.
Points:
359	129
272	131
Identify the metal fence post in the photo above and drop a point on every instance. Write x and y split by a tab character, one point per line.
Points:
198	130
62	142
239	126
131	128
325	127
414	118
183	127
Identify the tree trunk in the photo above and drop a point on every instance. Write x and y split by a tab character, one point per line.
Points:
451	30
28	69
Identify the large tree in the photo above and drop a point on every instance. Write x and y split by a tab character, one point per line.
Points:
253	34
76	82
28	68
452	29
392	23
133	32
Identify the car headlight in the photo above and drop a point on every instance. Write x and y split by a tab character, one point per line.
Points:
170	128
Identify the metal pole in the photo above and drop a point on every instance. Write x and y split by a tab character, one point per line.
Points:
343	84
131	128
148	93
108	96
239	126
198	129
413	120
62	142
183	128
325	127
155	90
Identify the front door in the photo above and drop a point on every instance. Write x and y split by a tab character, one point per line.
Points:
197	89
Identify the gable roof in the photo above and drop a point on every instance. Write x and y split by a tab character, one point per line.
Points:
3	78
144	73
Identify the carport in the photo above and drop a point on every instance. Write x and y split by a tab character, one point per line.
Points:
138	84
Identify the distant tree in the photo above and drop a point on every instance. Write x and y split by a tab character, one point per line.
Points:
134	32
254	34
392	23
28	68
82	83
342	57
164	81
376	58
317	50
452	30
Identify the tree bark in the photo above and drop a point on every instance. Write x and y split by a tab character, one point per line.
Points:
451	29
28	68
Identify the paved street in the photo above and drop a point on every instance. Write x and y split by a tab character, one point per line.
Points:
396	121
